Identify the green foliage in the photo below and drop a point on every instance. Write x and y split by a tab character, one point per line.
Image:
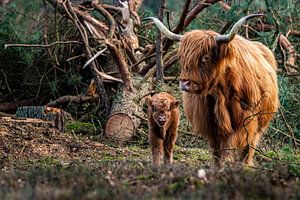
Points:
286	157
81	128
16	62
290	106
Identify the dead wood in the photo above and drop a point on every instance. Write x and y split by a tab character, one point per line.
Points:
122	65
224	5
122	122
134	66
116	35
159	61
68	99
109	18
149	66
200	5
100	87
286	46
55	115
13	106
170	62
128	32
294	33
180	26
18	122
134	6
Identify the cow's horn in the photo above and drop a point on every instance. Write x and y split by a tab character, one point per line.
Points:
164	30
235	28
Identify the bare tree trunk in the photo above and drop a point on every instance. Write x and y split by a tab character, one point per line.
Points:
159	64
197	8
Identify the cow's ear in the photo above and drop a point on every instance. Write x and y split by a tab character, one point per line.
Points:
174	104
149	101
223	51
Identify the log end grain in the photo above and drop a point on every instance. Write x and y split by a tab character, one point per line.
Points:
119	128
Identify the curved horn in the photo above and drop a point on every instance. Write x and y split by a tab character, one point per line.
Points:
164	30
235	28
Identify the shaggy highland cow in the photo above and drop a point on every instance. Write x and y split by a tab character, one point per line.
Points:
163	120
229	88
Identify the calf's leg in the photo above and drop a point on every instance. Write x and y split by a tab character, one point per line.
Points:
169	143
156	149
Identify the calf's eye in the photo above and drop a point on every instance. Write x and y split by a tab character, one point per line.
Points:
205	58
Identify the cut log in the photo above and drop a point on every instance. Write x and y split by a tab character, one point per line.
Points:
24	121
126	111
55	115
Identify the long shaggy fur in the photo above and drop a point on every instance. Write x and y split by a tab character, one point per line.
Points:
233	93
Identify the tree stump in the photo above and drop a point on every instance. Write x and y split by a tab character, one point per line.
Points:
56	115
126	112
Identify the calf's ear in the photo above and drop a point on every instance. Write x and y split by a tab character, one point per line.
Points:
174	104
148	101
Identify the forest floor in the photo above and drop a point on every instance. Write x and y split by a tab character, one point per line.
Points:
41	163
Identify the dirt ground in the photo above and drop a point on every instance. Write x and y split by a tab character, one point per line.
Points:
41	163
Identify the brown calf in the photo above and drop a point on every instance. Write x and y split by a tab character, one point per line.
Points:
163	120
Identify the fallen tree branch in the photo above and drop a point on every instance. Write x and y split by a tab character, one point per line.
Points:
122	65
94	57
143	59
68	99
289	48
170	62
293	32
108	77
100	87
12	106
129	35
109	18
41	45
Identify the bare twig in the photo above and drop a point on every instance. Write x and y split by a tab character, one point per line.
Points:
289	128
41	45
108	77
109	18
280	131
94	57
143	59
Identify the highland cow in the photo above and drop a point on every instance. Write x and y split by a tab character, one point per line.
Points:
229	88
163	120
